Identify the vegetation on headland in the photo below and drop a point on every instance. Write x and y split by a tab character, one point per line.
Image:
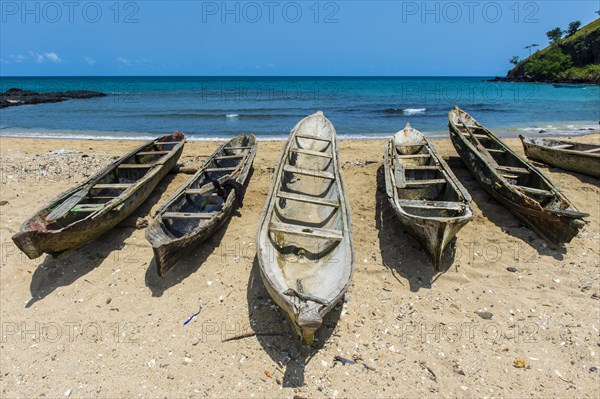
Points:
573	56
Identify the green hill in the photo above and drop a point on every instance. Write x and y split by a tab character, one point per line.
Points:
574	59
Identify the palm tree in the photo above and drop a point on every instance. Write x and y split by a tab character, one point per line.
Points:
530	47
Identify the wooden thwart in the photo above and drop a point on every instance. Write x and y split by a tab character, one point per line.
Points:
237	148
87	208
188	215
220	169
422	167
152	153
230	156
479	136
561	146
512	169
412	156
424	182
308	199
136	165
310	152
313	232
532	190
455	206
117	186
307	136
308	172
592	150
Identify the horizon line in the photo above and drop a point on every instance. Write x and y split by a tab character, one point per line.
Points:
248	76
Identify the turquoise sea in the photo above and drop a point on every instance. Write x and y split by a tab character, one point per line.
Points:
366	107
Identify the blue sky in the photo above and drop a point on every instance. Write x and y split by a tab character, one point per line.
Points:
393	38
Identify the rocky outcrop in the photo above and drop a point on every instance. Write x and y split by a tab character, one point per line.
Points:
15	96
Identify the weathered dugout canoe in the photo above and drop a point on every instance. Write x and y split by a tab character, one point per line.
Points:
569	155
424	193
196	210
304	240
101	202
514	182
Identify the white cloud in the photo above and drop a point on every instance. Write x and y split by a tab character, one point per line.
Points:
128	62
33	56
89	61
53	57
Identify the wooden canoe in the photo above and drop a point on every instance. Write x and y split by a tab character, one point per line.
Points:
569	155
304	241
196	210
100	203
514	182
426	196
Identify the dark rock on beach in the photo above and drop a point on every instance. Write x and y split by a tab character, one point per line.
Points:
15	96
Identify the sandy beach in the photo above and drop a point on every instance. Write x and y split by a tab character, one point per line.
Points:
101	323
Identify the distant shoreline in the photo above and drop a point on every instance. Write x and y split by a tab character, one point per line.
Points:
549	81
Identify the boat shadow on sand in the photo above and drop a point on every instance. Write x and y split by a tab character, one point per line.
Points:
188	265
55	273
275	334
400	252
501	217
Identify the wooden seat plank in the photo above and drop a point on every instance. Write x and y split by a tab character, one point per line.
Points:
561	146
152	153
189	215
335	235
308	199
136	165
532	190
220	169
308	172
424	182
118	186
309	137
412	156
425	204
230	156
512	169
592	150
421	167
313	153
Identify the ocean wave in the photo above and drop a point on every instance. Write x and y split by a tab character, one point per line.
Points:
196	115
404	111
413	111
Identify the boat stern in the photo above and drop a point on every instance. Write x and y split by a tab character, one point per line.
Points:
24	240
308	322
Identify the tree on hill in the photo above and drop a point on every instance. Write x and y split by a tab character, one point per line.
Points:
573	27
554	35
514	60
530	47
549	65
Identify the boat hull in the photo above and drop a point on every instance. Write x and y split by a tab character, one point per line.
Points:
567	160
555	230
60	242
431	213
169	250
304	241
